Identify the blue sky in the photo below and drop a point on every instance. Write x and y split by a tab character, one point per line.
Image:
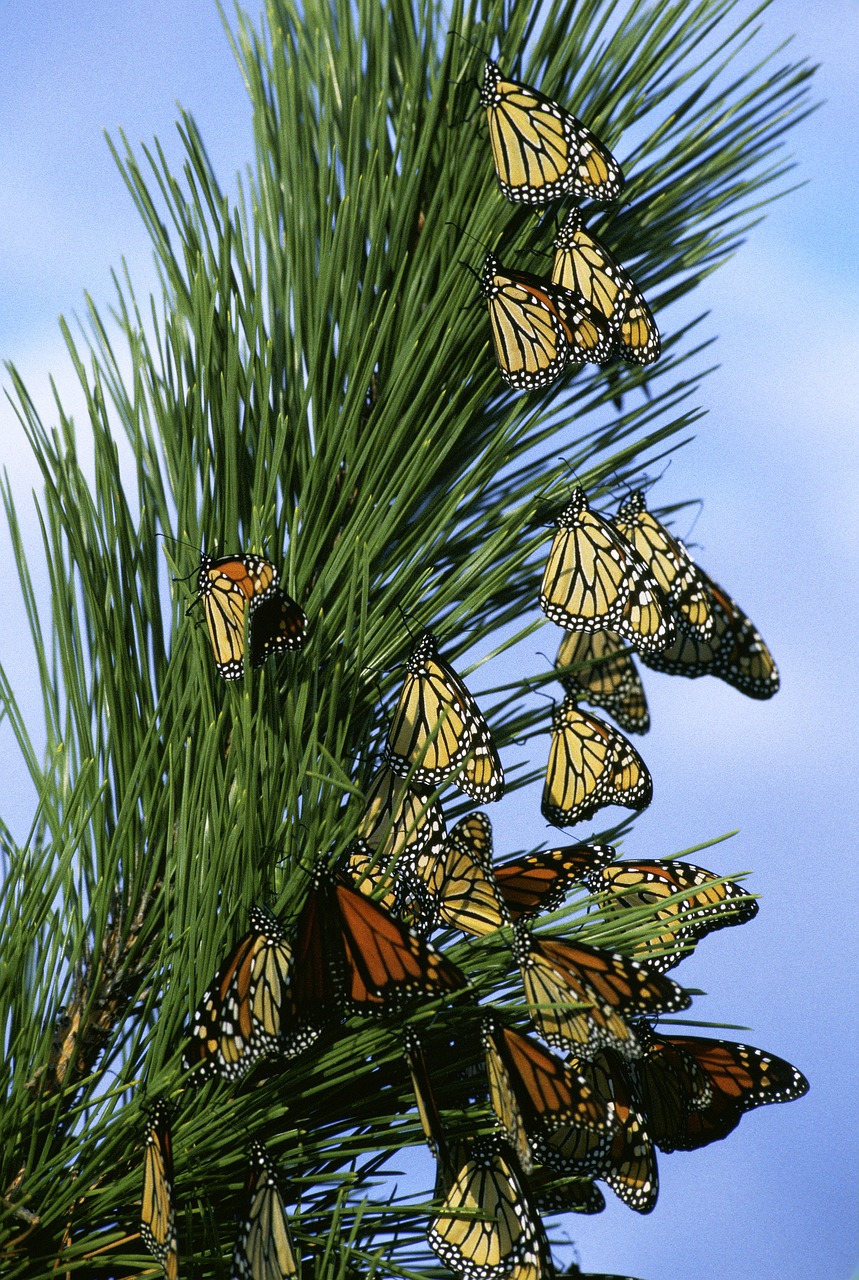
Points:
775	461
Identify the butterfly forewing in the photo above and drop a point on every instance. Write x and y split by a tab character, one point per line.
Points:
500	1230
595	581
583	264
669	562
437	724
263	1249
580	997
598	668
706	904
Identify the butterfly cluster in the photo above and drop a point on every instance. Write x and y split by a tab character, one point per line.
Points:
525	1112
590	309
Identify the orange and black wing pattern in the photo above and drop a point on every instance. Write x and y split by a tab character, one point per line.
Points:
502	1229
695	1090
229	588
581	997
157	1209
541	151
539	881
245	1013
460	880
352	956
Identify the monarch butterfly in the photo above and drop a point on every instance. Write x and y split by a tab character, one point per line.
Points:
263	1249
560	976
541	151
460	880
590	766
246	1012
424	1096
157	1210
352	955
595	581
598	668
233	584
501	1230
695	1090
629	1167
669	562
736	652
438	727
709	904
539	881
584	265
538	327
400	822
531	1092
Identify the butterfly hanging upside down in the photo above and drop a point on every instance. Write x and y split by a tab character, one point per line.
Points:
233	585
541	151
539	327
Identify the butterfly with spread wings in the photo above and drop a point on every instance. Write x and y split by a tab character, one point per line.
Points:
584	265
591	765
541	151
695	1090
539	327
694	902
597	667
263	1249
157	1209
229	588
581	997
352	956
438	729
596	581
247	1012
539	881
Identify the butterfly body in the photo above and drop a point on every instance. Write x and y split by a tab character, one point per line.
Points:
668	560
